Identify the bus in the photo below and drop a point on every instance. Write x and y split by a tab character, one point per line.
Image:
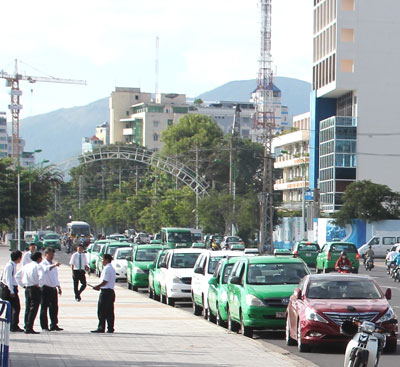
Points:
176	237
77	229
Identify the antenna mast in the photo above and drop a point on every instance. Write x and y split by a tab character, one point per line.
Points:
157	70
265	125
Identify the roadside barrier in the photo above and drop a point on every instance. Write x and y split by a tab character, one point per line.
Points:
5	320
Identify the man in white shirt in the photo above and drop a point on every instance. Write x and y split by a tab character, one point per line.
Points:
29	278
79	264
50	287
9	289
27	255
105	307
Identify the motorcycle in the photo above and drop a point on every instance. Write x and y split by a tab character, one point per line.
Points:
366	346
369	264
396	273
390	266
345	269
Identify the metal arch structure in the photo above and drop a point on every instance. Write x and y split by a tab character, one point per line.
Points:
143	156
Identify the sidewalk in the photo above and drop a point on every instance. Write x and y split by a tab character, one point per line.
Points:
148	333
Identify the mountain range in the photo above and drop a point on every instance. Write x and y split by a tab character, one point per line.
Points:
59	133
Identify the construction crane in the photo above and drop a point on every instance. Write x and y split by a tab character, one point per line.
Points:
15	107
265	123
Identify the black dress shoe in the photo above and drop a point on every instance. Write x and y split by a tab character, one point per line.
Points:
31	332
45	329
97	331
110	331
18	329
56	328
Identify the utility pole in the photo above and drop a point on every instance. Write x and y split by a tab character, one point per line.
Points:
235	134
265	120
80	203
197	188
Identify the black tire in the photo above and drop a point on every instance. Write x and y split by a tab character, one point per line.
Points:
355	363
197	310
134	288
129	285
289	340
245	330
219	320
317	271
326	270
205	310
151	293
303	348
355	271
232	325
163	299
391	347
170	301
211	317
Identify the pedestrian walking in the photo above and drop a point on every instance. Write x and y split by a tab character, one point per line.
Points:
26	259
79	264
50	291
29	278
105	306
9	289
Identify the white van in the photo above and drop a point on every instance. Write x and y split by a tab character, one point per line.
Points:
380	244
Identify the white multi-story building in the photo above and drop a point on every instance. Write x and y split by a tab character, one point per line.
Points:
3	135
103	133
291	150
136	118
354	122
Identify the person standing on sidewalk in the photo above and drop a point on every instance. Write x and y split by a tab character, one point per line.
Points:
105	307
79	266
50	291
29	278
9	289
28	254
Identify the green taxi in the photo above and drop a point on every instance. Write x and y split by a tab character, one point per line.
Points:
139	264
330	253
93	252
108	248
259	289
218	291
154	276
307	251
52	240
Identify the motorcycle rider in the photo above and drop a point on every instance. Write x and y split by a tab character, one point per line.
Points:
390	257
369	255
396	261
342	261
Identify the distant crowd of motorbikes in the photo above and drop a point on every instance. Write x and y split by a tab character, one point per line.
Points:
393	263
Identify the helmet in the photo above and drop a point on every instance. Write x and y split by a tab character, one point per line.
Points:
344	253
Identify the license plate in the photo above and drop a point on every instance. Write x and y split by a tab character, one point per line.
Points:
280	315
308	254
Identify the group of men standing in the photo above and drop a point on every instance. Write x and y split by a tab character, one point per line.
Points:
39	278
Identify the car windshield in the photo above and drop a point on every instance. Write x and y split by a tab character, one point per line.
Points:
148	254
184	260
77	230
123	254
111	250
51	237
343	289
179	237
308	247
227	273
339	247
276	273
212	263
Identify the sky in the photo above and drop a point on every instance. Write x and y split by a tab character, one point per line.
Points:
108	43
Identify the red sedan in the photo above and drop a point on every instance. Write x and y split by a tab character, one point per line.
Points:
318	307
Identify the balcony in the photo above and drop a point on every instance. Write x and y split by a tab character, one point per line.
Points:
344	121
293	184
290	160
127	132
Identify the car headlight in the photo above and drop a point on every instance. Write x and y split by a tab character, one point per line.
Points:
311	315
389	315
137	270
253	301
224	296
176	280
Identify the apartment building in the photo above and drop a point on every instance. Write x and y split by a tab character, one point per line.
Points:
103	132
136	118
354	122
291	150
3	135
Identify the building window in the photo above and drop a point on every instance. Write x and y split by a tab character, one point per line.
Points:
170	122
127	126
347	35
155	137
127	113
137	98
156	123
348	5
347	66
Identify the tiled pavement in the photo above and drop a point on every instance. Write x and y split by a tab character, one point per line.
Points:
148	333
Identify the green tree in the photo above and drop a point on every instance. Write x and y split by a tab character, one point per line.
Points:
369	201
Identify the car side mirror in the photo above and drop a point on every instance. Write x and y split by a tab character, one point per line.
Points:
388	294
129	258
163	265
297	293
213	281
198	271
235	280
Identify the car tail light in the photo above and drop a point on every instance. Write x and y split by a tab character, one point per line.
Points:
329	256
295	253
357	256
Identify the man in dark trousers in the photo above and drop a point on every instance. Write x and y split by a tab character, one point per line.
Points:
29	278
79	264
50	291
9	289
105	307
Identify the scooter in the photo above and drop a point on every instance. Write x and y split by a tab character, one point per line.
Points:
369	264
396	273
366	346
345	269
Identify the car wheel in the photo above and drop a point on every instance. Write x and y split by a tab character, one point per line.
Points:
289	340
317	271
197	310
163	299
155	296
170	301
211	317
151	293
245	330
134	288
325	270
129	285
300	346
219	320
391	347
232	325
205	310
355	271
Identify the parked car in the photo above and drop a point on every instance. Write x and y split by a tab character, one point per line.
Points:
198	245
142	238
307	251
154	276
259	289
176	237
251	252
119	261
318	307
52	240
380	244
203	270
138	265
217	298
176	275
116	237
93	253
231	239
237	247
330	253
108	248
